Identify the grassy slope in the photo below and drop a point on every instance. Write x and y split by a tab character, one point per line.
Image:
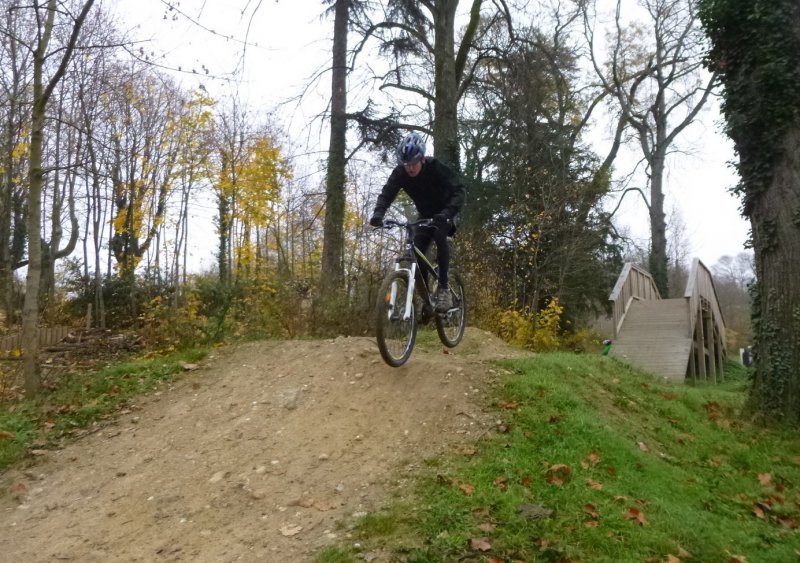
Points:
631	468
82	400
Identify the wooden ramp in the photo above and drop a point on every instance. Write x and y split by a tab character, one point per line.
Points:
655	337
673	338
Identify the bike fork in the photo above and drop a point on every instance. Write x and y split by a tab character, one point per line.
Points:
409	301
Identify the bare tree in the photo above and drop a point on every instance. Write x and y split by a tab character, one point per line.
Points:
660	89
428	65
43	88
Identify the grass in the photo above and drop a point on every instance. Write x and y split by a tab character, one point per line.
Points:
80	401
595	461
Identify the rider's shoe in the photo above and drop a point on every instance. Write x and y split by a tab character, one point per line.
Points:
444	301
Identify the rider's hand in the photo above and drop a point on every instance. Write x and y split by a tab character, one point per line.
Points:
441	220
376	220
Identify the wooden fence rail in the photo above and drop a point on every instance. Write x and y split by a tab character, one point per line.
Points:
47	336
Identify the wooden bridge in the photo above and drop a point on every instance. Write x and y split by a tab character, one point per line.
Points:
678	339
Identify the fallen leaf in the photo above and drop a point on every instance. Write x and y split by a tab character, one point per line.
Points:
503	428
594	485
591	510
289	530
526	481
635	514
480	544
501	483
190	367
672	559
611	470
560	468
643	447
620	498
467	489
38	452
788	522
593	458
511	405
591	524
737	559
553	480
6	435
765	479
18	488
712	410
758	511
487	527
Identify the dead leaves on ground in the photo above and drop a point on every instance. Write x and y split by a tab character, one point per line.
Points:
558	474
465	487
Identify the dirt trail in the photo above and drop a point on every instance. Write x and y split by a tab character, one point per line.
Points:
253	457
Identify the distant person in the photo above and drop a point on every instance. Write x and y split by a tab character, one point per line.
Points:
437	193
747	358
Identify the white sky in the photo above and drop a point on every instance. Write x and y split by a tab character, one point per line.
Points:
289	42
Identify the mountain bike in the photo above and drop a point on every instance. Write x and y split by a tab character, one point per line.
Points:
406	291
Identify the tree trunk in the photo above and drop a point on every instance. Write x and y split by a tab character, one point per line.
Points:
30	309
658	226
445	124
332	278
41	95
776	241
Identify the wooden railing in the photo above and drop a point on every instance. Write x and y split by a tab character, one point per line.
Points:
633	284
699	289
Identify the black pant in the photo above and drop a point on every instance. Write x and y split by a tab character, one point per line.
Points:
423	238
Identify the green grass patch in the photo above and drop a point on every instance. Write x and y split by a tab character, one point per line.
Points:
81	400
595	461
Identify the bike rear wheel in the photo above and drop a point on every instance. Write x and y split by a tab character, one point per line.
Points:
451	325
395	335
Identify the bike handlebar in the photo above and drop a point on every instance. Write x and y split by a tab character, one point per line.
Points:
389	223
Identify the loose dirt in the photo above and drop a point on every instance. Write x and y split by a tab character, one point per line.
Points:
253	457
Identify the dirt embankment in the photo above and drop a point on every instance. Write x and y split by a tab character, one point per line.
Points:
254	457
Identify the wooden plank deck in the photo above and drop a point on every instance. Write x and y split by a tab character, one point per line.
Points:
655	337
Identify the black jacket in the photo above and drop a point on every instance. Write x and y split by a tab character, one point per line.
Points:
436	189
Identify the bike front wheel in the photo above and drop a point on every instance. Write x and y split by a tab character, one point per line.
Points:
395	335
451	325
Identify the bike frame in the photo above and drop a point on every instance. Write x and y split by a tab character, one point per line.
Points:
411	256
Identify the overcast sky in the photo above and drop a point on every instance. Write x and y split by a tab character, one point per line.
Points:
288	42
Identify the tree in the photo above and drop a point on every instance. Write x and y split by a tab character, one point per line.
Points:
535	191
660	90
332	279
756	51
429	66
42	91
15	87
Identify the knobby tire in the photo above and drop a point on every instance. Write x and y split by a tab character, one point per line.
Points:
451	325
395	336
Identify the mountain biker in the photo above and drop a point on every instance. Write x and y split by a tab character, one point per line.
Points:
437	193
